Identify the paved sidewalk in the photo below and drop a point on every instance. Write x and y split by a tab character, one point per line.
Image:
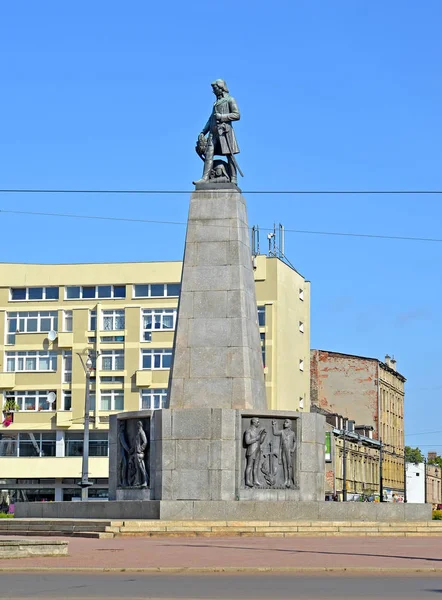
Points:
242	553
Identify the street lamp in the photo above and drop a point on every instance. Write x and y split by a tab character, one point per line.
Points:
85	483
381	474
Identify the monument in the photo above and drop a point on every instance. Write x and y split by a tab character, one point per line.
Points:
216	452
217	447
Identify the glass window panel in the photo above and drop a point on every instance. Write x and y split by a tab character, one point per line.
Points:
12	325
119	402
21	325
105	402
157	289
67	399
157	361
173	289
147	362
73	292
107	363
108	323
53	362
30	402
11	364
119	338
44	363
168	321
156	401
119	322
43	403
105	291
35	293
46	324
119	291
141	291
88	292
119	363
92	401
30	364
147	319
18	293
48	447
52	293
167	361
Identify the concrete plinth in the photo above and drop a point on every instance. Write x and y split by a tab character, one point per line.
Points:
217	352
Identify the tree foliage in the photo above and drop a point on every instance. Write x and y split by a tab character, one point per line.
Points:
413	455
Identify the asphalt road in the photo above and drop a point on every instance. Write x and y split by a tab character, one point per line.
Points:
70	586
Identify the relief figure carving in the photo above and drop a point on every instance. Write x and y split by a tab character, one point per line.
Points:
253	438
286	450
137	465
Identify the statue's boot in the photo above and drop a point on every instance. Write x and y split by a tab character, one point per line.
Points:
207	168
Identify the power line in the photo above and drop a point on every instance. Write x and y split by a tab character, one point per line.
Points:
296	192
158	222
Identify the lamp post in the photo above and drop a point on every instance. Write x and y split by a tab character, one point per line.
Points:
381	475
85	483
425	481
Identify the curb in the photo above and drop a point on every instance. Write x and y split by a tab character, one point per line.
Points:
239	570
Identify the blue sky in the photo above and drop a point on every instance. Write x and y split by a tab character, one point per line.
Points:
334	96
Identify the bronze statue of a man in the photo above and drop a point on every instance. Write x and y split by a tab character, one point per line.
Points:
221	140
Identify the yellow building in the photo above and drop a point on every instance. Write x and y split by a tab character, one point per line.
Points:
124	314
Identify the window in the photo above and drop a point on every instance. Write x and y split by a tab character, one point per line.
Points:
261	316
158	319
112	400
301	294
113	320
67	320
67	400
112	360
152	399
31	361
90	292
108	339
92	320
112	379
152	290
263	348
34	293
67	366
30	322
32	400
301	364
301	326
98	443
157	358
27	444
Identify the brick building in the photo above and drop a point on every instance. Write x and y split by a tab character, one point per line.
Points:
367	391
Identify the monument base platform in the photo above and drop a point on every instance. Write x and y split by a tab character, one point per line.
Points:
242	510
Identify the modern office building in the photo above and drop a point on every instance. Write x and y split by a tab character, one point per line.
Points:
124	316
368	391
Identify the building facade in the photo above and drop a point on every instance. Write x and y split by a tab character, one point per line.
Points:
354	445
124	316
367	391
424	483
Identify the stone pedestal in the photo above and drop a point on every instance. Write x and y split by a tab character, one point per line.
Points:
217	353
201	454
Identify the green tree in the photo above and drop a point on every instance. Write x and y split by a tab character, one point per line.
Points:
413	455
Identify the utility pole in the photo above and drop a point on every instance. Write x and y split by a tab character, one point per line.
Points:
425	481
405	478
381	476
